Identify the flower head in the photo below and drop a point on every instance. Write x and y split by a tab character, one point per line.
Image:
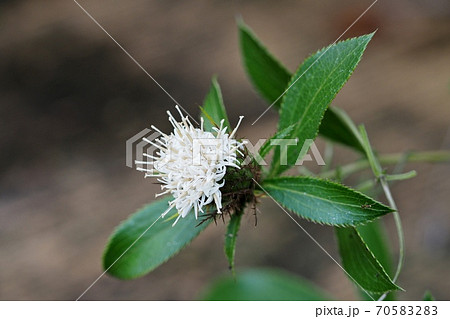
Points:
191	164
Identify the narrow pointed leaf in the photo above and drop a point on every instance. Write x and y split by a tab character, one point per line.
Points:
268	75
230	239
267	146
264	284
375	237
214	108
159	243
360	263
323	201
312	88
337	126
271	79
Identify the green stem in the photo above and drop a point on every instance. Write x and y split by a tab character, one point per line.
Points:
328	155
398	225
376	168
401	176
388	159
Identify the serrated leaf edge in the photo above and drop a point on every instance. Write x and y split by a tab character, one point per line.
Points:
343	225
379	264
293	79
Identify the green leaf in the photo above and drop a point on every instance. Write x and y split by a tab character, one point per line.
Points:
264	284
213	108
268	75
271	79
267	146
374	235
311	90
428	296
337	126
360	263
159	243
230	238
323	201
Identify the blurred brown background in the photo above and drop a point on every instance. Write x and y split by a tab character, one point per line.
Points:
69	99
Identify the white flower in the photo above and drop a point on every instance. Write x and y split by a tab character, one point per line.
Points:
191	164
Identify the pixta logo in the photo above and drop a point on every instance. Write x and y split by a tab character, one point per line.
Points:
138	145
142	145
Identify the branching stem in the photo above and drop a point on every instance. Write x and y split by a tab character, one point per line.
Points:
388	159
378	172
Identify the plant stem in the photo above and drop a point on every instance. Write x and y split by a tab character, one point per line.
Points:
398	224
375	163
328	154
401	176
376	168
387	159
